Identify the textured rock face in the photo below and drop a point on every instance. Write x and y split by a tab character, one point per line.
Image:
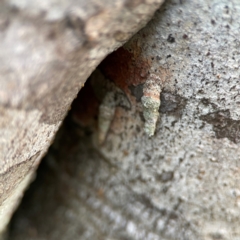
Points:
183	183
48	50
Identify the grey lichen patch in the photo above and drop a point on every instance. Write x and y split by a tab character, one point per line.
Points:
223	125
173	104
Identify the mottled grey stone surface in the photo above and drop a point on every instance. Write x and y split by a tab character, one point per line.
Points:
184	182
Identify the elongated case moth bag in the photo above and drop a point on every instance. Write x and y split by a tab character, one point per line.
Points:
151	103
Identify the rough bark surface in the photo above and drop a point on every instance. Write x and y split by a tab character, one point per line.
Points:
48	50
184	182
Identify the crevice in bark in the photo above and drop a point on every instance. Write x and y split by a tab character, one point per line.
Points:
76	158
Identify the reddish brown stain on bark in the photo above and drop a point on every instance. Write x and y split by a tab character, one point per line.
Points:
125	68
